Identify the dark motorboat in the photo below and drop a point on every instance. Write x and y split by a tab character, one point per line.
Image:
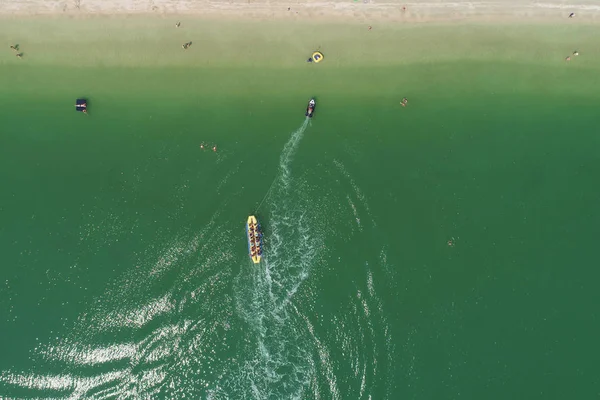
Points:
310	110
81	105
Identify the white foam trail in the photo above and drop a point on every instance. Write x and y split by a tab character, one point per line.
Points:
288	152
281	364
355	212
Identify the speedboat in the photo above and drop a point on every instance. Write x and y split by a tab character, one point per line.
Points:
310	110
254	235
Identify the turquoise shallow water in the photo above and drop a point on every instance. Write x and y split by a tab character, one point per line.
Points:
125	273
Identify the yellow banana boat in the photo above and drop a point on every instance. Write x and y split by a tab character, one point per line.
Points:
254	235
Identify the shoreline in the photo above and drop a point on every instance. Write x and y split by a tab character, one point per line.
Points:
367	11
138	41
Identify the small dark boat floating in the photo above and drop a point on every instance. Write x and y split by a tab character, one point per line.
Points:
310	110
81	105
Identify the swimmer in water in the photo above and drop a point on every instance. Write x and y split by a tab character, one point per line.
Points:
404	102
215	148
202	146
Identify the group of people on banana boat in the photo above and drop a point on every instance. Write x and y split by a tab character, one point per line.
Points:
255	233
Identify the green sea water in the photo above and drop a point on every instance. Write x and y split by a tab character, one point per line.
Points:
440	251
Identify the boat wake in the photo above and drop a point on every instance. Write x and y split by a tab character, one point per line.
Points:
288	152
153	332
278	362
289	352
172	327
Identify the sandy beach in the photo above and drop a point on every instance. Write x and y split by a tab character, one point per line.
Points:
357	10
127	32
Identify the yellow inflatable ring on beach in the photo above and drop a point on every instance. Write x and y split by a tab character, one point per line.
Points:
317	56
